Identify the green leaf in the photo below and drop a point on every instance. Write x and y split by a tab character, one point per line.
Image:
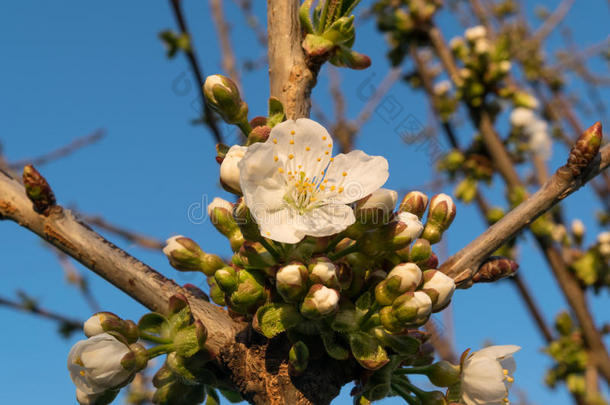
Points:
364	302
345	321
274	319
276	112
333	348
154	324
367	351
305	16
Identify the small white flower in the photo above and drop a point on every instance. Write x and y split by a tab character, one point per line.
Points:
443	285
578	228
229	168
603	238
325	300
487	375
423	303
293	187
409	274
442	87
290	275
521	117
324	271
414	226
219	203
95	364
474	33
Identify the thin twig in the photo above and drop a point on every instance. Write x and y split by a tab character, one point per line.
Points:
74	276
130	236
33	308
59	153
553	20
208	115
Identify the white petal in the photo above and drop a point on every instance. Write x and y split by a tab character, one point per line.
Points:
497	352
483	379
280	225
326	220
306	141
358	174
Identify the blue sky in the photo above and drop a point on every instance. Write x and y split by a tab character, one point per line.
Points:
70	67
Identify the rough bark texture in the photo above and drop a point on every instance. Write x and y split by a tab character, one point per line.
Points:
290	77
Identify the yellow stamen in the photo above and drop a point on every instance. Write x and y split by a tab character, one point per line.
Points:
344	174
274	140
331	159
340	189
308	149
292	141
275	158
326	153
505	371
291	156
323	138
322	187
510	379
280	170
318	159
332	188
292	132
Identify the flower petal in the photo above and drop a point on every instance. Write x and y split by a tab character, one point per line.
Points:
326	220
483	379
357	175
303	145
280	225
498	352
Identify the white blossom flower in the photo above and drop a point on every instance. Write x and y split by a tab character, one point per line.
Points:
423	303
293	187
229	168
326	300
487	375
521	117
219	203
474	33
171	245
409	274
95	364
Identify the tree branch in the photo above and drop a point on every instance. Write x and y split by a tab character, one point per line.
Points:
291	79
66	232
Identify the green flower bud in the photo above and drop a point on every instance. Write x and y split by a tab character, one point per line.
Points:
226	279
298	358
585	149
222	95
412	308
420	251
414	202
407	228
320	302
250	293
402	278
441	215
190	340
245	221
389	321
495	268
291	282
345	57
221	214
186	255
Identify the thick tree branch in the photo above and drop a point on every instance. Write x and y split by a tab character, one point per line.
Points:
291	79
66	232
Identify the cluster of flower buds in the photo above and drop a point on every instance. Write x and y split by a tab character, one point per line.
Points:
569	356
485	63
591	266
107	361
526	124
331	34
473	164
403	22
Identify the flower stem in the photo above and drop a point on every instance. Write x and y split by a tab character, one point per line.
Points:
270	249
159	350
245	127
334	242
405	395
154	339
344	252
407	384
369	313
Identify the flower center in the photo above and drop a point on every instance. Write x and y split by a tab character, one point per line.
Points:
303	193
